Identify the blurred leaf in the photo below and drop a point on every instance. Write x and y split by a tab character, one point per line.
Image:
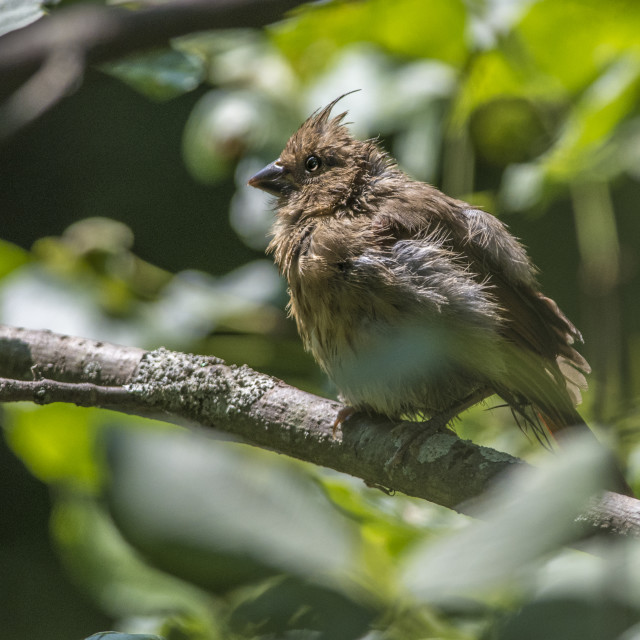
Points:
408	28
98	234
570	617
115	635
607	561
574	40
295	604
586	145
160	75
56	442
508	130
11	257
199	303
394	531
222	127
582	145
220	516
389	527
109	570
494	75
69	302
529	514
523	185
15	14
242	58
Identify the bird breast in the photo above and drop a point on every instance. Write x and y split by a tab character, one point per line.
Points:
393	324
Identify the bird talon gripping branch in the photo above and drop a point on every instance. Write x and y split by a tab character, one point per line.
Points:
343	415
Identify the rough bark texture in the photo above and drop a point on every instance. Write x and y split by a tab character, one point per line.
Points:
421	460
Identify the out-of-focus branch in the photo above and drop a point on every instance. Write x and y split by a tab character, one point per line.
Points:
434	463
92	34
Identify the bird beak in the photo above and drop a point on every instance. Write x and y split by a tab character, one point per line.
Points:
272	179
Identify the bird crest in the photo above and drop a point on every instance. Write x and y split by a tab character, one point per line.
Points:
321	131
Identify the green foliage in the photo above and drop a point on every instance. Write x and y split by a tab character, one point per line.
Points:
113	635
530	108
11	257
57	443
161	75
282	525
408	28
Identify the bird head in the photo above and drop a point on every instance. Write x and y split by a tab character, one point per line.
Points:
322	167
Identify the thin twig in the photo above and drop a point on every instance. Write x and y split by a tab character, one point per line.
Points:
56	78
84	394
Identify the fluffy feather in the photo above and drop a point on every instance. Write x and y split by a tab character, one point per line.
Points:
413	302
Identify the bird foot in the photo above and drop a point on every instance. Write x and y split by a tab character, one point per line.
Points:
343	415
419	432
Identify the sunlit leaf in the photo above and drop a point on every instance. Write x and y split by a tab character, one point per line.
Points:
582	145
509	130
494	75
115	635
408	28
591	37
11	257
56	442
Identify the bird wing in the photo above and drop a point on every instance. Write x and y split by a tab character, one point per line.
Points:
538	335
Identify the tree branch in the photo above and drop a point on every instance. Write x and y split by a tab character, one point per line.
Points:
436	465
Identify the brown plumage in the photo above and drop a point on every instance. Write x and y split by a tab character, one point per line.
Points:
411	301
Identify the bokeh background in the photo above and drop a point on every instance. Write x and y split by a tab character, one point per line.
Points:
126	217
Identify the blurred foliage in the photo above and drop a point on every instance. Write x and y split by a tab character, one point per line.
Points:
15	14
126	217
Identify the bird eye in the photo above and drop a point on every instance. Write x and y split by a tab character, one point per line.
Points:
312	163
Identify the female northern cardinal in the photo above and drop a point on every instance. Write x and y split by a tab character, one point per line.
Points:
411	301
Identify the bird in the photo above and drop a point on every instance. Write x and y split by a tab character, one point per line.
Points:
414	303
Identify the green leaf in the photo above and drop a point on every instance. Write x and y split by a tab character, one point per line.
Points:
494	76
219	515
572	617
407	28
294	604
11	257
115	635
15	14
582	145
530	514
112	573
56	442
160	75
593	35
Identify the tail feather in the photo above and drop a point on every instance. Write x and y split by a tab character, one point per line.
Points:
544	395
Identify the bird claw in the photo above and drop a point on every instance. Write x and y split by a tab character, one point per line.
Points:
435	423
343	415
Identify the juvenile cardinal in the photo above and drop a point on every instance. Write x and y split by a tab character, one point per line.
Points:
413	302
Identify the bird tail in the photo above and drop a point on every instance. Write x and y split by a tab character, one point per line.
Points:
543	397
